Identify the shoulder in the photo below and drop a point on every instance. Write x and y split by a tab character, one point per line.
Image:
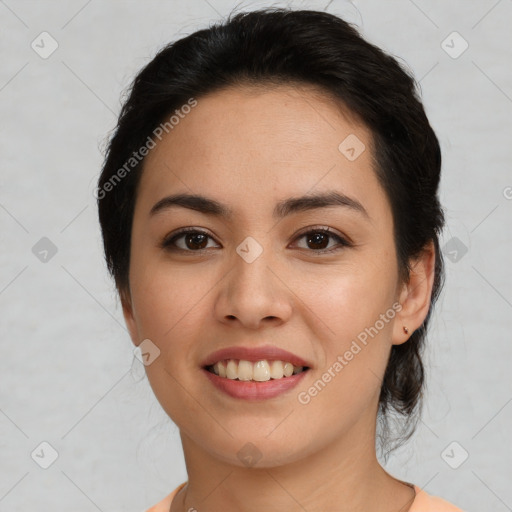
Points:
424	502
165	504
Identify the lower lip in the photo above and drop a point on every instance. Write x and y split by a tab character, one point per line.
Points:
254	391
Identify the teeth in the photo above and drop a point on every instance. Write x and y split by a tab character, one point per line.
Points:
276	369
232	369
245	370
288	369
260	371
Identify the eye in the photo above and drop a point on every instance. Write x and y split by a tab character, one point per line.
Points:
318	240
194	240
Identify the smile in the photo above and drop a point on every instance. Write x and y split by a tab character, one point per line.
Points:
259	371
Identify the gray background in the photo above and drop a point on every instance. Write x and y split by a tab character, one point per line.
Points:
68	372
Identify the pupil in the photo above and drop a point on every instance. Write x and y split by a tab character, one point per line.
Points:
315	239
190	239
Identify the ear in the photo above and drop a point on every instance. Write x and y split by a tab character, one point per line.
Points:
129	316
415	295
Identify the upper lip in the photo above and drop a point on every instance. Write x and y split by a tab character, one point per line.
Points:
268	352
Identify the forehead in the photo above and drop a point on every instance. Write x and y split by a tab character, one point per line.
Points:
263	144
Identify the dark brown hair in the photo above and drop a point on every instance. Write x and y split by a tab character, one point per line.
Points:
296	47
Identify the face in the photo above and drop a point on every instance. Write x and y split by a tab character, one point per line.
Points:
267	275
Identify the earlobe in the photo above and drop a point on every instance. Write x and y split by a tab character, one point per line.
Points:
415	296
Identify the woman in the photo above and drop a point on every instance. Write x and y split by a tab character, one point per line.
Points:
269	212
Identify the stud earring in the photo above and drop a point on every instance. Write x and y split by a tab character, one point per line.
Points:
406	330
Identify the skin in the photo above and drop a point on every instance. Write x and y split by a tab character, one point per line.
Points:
249	148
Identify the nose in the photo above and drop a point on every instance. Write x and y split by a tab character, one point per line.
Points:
254	291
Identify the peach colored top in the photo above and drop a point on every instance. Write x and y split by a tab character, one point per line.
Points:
423	502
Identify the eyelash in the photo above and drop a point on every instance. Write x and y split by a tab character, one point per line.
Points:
168	242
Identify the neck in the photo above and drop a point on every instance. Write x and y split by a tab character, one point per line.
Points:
344	475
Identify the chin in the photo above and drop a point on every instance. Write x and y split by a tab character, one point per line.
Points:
259	450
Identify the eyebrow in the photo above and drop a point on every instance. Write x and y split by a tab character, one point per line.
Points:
210	206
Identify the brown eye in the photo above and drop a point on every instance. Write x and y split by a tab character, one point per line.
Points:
193	240
318	240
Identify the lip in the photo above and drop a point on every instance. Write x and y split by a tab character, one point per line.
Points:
254	391
254	354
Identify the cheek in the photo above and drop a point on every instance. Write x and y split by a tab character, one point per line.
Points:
353	318
168	298
168	304
353	351
346	300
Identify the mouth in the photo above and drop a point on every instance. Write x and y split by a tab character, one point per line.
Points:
255	373
258	371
